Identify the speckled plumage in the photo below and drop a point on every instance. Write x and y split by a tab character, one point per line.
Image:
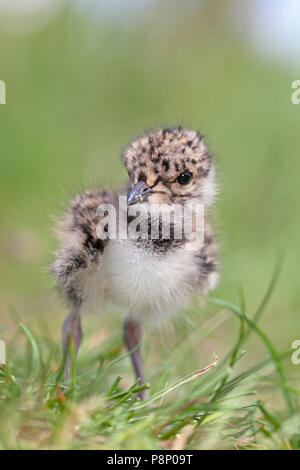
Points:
148	279
156	158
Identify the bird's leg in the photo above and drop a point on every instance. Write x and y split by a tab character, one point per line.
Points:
132	332
71	331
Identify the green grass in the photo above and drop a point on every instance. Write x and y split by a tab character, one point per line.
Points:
77	92
212	407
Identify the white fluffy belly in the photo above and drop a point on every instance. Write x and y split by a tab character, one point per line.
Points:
148	285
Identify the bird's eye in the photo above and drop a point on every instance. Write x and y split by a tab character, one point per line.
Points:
184	178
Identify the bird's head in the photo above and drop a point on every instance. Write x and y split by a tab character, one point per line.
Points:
170	166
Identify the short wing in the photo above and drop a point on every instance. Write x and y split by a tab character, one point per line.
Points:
81	250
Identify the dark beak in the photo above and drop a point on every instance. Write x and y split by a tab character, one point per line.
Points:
138	193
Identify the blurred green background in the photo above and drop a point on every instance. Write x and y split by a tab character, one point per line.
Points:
83	83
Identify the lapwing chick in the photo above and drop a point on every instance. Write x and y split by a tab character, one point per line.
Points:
149	275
